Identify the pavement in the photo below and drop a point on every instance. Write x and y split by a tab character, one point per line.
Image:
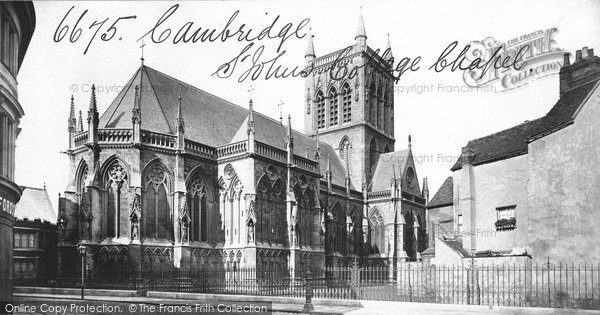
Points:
68	301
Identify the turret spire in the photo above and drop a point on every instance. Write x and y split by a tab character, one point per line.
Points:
310	47
80	122
72	121
360	30
93	105
136	116
250	117
180	121
251	124
180	126
318	148
93	118
388	50
72	124
289	138
425	192
328	174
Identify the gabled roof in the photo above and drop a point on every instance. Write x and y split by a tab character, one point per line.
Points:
209	119
513	141
35	204
444	195
386	165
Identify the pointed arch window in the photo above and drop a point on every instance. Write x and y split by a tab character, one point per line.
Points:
339	230
117	186
346	103
270	208
157	203
307	217
377	232
333	107
197	203
320	110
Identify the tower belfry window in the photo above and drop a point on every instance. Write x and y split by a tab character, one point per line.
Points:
320	110
346	104
333	107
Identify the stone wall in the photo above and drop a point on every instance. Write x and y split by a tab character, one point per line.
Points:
564	190
497	184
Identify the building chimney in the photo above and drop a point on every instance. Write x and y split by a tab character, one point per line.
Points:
585	69
578	55
567	59
467	156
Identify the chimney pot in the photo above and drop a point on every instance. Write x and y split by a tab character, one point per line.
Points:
578	55
584	52
567	59
591	52
467	156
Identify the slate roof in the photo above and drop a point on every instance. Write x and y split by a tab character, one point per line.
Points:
456	246
384	171
209	119
444	195
513	141
35	204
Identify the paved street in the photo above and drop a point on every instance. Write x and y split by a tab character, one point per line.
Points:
72	304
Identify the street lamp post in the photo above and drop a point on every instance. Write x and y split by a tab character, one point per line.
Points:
82	250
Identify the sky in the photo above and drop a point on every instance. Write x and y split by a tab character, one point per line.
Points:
439	121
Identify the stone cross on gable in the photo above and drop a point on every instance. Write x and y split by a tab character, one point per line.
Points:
250	90
142	47
280	105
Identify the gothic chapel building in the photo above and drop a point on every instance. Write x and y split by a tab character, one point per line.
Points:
170	176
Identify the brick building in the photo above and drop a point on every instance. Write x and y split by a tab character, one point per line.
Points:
35	238
172	176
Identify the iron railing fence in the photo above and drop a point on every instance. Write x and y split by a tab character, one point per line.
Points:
531	284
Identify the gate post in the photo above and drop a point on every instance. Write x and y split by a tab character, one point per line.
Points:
355	280
308	307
